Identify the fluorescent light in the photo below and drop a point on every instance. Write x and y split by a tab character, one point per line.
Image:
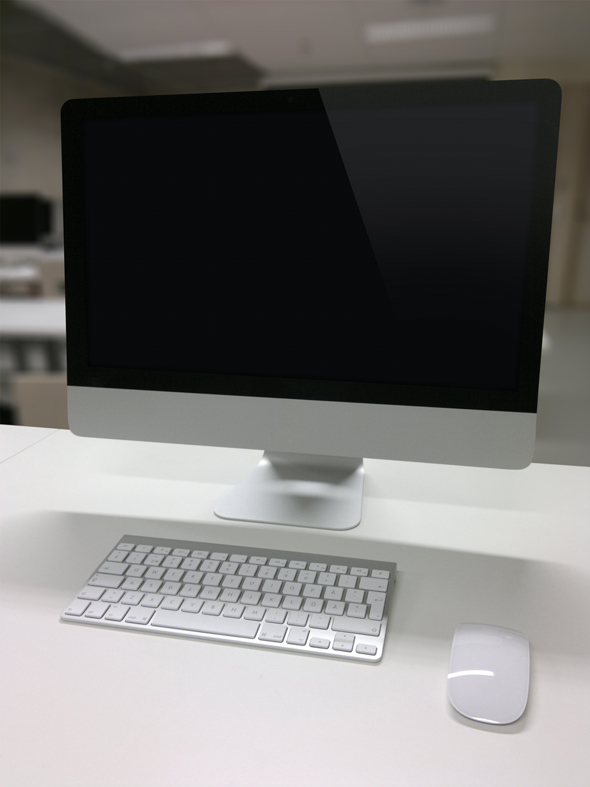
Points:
184	51
423	29
486	672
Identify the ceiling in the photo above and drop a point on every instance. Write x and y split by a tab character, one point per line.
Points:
298	40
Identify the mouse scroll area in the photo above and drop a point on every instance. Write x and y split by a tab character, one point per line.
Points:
488	679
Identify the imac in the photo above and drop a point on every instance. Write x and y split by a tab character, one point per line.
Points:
326	274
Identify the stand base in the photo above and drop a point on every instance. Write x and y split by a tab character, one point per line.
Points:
298	489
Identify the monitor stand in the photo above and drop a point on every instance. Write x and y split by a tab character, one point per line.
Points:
298	489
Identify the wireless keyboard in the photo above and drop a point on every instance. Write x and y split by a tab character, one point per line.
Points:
332	606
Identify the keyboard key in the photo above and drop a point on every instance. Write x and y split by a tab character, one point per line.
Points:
313	605
234	610
318	566
135	558
292	602
210	566
354	596
267	572
77	607
112	596
230	581
212	579
247	570
251	583
190	564
369	583
228	567
307	576
380	574
118	555
126	547
333	594
189	591
172	602
153	560
250	597
136	571
319	642
275	616
96	609
218	556
212	607
334	608
105	581
367	650
152	600
170	588
162	550
326	578
140	616
292	588
357	610
155	573
132	583
375	598
258	561
272	633
132	598
346	582
339	569
271	586
172	561
254	613
359	572
271	600
376	612
151	586
173	574
200	554
91	594
354	626
229	595
230	627
345	646
238	558
193	577
181	552
287	574
277	562
190	605
117	612
143	548
297	618
298	636
319	621
210	593
298	564
312	591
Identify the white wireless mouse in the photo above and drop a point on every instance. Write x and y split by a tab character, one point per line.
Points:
488	676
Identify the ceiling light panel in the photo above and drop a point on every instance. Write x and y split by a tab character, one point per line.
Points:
428	29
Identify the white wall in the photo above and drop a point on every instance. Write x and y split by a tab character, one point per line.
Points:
30	145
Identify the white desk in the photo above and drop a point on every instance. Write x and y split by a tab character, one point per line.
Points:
84	706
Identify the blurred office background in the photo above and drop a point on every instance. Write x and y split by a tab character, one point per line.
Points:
54	50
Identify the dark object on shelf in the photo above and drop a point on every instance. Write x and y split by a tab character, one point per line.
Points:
25	218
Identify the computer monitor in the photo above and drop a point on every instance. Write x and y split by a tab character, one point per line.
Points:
326	274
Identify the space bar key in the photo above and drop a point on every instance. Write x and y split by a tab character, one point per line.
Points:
205	624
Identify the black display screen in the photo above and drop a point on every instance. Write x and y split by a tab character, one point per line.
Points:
319	240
